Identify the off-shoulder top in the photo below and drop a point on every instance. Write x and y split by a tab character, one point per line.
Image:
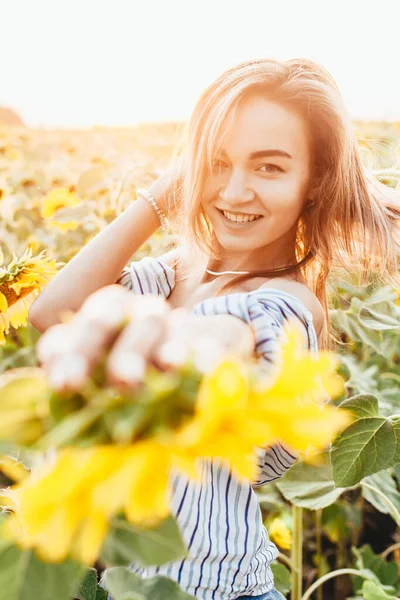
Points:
229	551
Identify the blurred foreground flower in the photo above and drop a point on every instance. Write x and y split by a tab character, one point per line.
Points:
232	415
20	282
15	472
66	507
13	469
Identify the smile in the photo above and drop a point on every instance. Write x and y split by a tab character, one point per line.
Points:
232	218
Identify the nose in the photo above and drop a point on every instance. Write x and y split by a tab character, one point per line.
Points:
236	190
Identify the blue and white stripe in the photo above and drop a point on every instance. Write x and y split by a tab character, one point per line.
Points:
229	551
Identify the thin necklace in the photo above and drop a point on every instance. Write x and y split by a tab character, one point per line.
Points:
303	260
226	272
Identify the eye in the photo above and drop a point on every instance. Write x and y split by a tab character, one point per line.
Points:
271	168
217	163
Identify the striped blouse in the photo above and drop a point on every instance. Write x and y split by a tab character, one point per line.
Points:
229	551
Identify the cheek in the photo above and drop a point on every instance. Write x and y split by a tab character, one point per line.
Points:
211	186
282	195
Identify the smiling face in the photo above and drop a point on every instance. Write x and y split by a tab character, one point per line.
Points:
263	169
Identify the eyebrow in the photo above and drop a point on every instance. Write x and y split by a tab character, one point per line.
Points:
265	153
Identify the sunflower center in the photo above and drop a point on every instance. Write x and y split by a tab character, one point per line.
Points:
11	295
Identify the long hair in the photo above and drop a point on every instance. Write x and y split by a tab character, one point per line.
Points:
354	222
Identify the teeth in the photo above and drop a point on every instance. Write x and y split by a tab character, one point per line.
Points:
240	218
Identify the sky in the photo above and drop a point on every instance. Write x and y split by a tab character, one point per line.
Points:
78	63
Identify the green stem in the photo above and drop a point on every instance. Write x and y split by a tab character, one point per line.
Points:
393	376
340	562
285	560
391	548
318	542
395	513
297	553
328	576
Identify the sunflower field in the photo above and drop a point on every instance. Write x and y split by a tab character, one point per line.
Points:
78	502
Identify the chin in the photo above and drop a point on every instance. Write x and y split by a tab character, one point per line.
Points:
231	242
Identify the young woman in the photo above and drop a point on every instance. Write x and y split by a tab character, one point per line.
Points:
271	195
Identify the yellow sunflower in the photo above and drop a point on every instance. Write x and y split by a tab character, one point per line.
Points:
65	509
16	472
232	415
58	198
280	533
20	282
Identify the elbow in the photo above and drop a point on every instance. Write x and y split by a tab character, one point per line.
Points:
35	321
38	317
42	316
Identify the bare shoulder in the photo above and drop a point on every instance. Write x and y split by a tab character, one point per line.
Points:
304	294
172	257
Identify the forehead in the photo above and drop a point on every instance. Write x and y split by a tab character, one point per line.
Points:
261	124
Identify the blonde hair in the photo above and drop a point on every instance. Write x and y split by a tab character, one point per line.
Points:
354	223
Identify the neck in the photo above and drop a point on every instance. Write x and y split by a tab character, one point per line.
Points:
244	265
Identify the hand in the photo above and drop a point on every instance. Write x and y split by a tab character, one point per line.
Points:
137	331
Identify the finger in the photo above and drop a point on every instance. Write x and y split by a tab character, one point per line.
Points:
101	314
174	349
100	320
57	340
68	373
68	352
127	361
109	308
75	337
207	353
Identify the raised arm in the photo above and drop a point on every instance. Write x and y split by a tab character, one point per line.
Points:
101	261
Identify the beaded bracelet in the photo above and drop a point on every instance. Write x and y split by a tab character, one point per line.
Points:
152	201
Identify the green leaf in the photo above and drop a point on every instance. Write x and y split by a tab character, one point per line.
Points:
386	572
123	584
372	591
362	379
396	428
385	483
336	523
126	543
125	422
380	316
269	497
62	405
101	594
69	429
282	577
349	323
363	448
24	577
88	586
309	486
397	473
364	406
